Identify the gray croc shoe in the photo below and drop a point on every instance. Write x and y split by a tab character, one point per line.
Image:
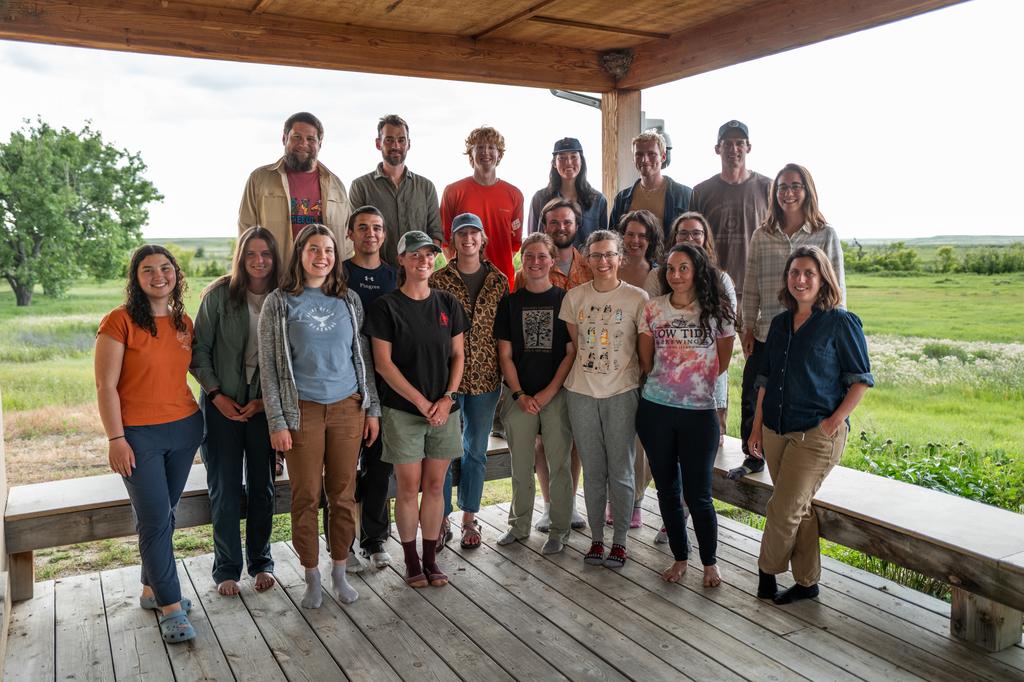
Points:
176	628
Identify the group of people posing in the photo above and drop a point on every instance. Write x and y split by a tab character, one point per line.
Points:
339	341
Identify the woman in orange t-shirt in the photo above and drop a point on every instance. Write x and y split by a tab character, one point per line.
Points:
151	419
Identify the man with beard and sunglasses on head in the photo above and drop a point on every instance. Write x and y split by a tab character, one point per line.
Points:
296	190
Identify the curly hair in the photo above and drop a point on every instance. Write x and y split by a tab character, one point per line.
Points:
651	225
707	284
486	135
136	302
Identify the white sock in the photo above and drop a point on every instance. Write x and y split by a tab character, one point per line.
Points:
346	593
314	595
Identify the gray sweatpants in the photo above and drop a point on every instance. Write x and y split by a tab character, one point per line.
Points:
605	433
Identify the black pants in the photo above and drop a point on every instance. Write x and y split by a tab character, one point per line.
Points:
229	449
682	444
372	491
748	394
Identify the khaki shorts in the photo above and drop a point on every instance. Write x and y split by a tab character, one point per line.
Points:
408	438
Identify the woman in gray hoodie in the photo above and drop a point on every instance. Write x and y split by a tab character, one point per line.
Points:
320	398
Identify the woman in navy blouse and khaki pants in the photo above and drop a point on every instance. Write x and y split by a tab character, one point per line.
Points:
814	372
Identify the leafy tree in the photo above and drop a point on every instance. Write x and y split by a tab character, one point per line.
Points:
70	204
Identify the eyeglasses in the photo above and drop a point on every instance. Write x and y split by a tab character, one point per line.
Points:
603	256
690	235
795	188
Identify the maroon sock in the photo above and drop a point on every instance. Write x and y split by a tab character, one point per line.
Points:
412	559
430	556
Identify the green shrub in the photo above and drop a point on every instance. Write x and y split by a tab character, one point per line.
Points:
895	257
989	476
994	261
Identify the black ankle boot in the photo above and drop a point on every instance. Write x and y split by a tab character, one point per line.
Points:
766	585
796	593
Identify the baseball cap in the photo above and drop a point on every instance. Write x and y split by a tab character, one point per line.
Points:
414	240
464	220
733	125
567	144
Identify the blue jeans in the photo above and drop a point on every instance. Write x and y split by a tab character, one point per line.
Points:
477	418
163	460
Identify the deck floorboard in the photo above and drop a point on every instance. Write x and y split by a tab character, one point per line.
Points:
509	613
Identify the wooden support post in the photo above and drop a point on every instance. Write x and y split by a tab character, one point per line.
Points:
22	569
983	622
620	123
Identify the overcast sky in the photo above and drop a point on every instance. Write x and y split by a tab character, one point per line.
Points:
909	129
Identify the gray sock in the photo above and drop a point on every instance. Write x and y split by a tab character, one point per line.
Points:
346	593
314	595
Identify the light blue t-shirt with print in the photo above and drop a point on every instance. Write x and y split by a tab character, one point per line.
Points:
320	340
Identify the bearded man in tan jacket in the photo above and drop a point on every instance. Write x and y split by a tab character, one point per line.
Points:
296	190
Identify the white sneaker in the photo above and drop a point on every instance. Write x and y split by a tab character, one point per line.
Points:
380	559
544	523
661	538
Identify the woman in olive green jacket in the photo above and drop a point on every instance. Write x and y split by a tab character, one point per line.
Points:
224	361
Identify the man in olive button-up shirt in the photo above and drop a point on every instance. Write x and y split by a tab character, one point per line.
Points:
408	201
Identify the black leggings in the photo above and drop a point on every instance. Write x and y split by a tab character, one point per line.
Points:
682	443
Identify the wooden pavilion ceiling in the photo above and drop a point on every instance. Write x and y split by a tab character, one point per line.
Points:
542	43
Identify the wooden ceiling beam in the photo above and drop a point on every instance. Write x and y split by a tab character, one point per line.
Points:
764	29
261	6
621	30
181	29
514	19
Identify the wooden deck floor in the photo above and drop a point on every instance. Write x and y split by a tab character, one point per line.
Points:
509	613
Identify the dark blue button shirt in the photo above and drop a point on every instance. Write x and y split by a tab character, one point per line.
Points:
806	373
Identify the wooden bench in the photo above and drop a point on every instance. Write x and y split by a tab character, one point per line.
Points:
976	548
58	513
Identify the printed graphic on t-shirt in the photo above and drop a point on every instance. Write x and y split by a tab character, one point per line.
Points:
184	339
538	329
444	319
685	356
306	211
601	328
320	319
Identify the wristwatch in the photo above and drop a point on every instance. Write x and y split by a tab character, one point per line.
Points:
516	395
213	394
453	396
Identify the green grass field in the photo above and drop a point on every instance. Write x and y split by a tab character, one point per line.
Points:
959	307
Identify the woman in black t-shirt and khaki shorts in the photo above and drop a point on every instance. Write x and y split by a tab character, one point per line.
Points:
418	351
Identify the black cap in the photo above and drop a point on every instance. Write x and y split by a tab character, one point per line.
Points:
567	144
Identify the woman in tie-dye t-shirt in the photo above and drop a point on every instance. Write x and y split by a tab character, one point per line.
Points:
685	343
